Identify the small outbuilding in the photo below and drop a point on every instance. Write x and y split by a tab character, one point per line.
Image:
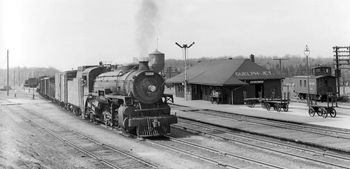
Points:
231	80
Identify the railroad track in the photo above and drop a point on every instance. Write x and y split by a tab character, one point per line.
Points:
211	155
108	156
308	128
216	157
308	154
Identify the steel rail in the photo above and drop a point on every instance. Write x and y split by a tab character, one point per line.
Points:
224	153
296	127
268	141
90	139
260	147
192	154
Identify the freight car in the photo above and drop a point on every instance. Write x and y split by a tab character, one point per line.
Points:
321	84
130	97
46	87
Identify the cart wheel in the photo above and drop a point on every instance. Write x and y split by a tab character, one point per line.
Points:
324	113
268	107
92	118
278	107
285	108
333	112
311	112
319	112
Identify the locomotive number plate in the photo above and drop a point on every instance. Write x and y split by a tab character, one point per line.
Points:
149	73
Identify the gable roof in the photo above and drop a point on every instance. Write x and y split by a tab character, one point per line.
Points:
224	73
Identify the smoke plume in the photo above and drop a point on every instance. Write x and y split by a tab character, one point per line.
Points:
147	19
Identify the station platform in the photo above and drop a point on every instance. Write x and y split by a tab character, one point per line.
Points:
298	112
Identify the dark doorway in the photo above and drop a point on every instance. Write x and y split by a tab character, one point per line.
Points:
196	92
259	90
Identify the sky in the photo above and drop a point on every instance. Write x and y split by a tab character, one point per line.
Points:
66	34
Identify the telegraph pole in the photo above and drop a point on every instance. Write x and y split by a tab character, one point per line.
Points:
185	47
341	58
19	77
8	74
307	53
280	60
14	77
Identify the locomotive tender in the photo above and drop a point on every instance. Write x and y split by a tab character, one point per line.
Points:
31	82
130	97
321	84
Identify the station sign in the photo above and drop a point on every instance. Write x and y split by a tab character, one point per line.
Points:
256	82
262	73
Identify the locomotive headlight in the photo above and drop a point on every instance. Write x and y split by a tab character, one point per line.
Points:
152	88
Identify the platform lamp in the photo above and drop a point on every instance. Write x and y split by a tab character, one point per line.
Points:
185	47
307	53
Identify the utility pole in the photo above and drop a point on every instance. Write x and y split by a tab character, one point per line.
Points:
19	77
8	74
185	47
14	77
280	60
307	53
341	58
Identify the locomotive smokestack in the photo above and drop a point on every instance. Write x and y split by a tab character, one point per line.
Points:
252	58
143	64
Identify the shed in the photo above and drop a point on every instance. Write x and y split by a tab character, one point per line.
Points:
236	79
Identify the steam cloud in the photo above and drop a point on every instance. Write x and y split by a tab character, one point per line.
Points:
147	19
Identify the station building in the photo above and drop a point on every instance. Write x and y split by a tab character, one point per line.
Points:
236	79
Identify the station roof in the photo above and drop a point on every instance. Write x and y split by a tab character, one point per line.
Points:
228	72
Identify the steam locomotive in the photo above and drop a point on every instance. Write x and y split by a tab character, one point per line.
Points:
130	97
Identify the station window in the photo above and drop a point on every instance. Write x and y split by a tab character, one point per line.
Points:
304	83
301	83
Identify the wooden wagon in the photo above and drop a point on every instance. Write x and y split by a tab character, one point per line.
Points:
322	111
277	105
251	102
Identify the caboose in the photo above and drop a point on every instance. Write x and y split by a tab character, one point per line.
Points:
321	84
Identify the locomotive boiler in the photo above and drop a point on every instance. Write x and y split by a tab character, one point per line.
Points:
132	97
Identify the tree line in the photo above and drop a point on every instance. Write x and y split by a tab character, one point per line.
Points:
18	75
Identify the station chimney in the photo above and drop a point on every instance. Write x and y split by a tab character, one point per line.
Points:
252	58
